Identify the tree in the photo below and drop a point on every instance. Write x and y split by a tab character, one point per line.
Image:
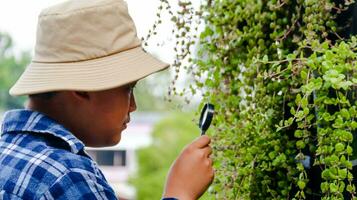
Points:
11	66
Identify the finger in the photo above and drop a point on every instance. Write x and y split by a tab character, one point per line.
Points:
212	174
210	161
211	170
207	151
202	141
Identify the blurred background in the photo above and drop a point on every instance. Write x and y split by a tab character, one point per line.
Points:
136	168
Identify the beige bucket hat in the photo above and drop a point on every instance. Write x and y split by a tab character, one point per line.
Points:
85	45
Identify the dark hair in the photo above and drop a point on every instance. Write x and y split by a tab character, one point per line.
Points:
45	96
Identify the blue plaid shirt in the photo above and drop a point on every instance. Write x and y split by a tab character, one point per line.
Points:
40	159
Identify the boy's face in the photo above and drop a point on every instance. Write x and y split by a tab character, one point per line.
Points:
109	115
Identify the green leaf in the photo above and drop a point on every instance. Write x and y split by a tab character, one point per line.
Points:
338	123
344	113
333	187
298	133
300	144
350	188
304	103
324	187
306	111
301	184
334	159
265	59
339	147
297	99
303	74
353	125
342	173
349	150
342	187
344	85
325	174
272	155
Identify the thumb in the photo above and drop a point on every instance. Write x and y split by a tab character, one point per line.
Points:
202	141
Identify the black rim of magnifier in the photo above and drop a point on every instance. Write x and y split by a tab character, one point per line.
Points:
210	110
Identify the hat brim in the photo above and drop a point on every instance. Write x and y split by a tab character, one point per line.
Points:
90	75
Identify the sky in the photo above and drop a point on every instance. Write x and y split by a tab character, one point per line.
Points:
19	19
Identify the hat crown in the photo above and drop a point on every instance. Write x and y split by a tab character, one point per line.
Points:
79	30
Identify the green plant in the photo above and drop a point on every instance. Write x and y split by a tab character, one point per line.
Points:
281	74
170	135
11	67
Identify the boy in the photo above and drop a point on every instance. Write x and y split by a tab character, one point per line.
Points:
80	85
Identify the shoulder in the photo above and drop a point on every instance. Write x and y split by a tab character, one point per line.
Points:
79	184
41	153
30	166
78	177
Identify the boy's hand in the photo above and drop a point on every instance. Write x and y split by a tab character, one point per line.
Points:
192	172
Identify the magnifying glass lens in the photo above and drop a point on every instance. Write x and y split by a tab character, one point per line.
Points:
206	117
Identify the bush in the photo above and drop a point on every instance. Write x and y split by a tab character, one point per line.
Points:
282	77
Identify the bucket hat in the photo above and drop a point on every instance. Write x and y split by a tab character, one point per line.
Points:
85	45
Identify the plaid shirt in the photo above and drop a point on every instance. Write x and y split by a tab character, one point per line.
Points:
40	159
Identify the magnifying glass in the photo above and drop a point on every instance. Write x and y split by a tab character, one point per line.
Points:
206	117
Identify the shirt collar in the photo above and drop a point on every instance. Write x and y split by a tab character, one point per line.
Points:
32	121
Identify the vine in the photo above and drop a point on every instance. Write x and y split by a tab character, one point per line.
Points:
281	74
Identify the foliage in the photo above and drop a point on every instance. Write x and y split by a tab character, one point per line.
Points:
281	75
11	67
170	135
